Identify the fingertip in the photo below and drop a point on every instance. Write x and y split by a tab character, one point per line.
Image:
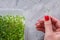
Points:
46	18
47	24
53	19
39	22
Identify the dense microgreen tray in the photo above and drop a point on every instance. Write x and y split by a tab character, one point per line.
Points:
12	27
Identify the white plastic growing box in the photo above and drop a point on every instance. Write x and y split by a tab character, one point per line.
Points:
11	24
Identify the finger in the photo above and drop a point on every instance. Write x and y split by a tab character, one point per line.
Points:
56	22
41	29
58	30
40	25
48	25
54	19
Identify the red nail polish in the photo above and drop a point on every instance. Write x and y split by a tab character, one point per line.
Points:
46	18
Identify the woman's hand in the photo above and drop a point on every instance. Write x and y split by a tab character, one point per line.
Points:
51	27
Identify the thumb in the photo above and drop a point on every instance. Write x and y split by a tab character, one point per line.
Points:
48	25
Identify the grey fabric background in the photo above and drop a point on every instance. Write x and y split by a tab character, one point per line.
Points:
33	10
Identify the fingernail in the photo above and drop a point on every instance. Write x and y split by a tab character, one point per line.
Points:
46	18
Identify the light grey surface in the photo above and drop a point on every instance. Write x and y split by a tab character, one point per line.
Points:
37	12
33	10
